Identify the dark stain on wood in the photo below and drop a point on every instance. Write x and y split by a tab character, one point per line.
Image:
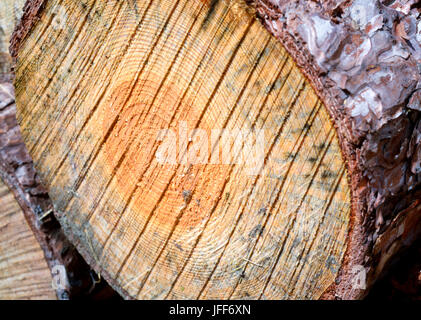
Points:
210	13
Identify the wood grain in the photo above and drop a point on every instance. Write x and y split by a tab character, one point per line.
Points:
94	91
18	173
24	274
10	13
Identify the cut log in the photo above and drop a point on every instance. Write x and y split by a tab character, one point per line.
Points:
23	266
187	156
24	274
73	278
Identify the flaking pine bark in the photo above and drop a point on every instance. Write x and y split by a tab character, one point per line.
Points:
145	122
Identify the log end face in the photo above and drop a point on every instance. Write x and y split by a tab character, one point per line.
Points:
121	148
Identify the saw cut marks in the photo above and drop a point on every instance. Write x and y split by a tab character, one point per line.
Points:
121	106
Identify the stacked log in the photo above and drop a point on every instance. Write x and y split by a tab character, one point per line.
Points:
222	149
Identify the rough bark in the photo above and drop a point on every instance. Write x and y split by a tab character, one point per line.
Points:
403	281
